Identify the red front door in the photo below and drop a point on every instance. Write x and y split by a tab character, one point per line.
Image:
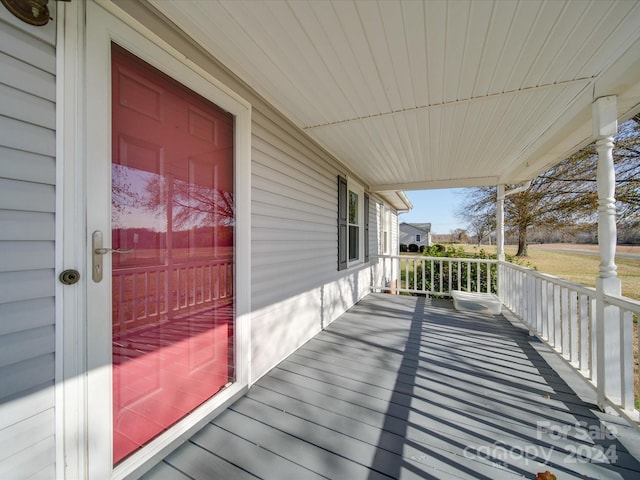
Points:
173	208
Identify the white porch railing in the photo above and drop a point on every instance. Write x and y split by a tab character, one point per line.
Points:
561	313
434	275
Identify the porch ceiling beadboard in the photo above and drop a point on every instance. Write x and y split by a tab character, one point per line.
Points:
414	94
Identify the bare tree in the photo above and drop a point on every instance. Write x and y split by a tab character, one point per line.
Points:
566	194
481	222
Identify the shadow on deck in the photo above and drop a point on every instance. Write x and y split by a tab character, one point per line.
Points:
407	387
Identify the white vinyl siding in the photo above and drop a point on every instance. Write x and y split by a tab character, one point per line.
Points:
27	252
295	287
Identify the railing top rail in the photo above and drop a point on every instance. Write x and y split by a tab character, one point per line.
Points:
443	259
551	278
625	303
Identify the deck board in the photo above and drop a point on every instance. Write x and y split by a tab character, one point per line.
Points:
406	387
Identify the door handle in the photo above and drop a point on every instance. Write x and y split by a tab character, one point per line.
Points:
103	251
98	251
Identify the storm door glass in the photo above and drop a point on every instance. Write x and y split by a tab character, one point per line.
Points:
173	221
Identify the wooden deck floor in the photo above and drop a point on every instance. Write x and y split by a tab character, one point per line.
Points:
406	387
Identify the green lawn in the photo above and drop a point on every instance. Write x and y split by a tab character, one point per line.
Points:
575	267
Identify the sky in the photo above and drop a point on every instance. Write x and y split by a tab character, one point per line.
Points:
437	207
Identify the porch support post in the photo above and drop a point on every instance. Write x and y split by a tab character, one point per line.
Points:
608	328
500	222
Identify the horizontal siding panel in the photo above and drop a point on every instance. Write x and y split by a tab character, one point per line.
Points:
27	423
25	315
291	158
33	197
26	406
310	257
300	192
284	230
28	48
47	473
17	74
30	167
27	108
273	205
269	203
286	246
300	277
25	434
27	344
279	180
31	374
288	138
17	286
15	256
272	289
30	461
27	137
279	176
27	225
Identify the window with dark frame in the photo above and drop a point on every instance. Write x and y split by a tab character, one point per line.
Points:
353	225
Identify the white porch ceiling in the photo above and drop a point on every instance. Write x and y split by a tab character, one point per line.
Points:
428	94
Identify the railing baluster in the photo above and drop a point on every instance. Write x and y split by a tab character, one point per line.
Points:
566	333
557	318
406	274
538	306
544	302
593	340
626	359
551	314
583	322
573	328
432	276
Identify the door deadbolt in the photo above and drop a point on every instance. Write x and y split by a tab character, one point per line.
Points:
69	277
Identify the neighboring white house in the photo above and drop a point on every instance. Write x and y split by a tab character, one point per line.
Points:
415	233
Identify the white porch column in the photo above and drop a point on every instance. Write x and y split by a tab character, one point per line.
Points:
608	328
500	222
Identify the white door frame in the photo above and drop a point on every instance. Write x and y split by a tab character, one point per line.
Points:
85	315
